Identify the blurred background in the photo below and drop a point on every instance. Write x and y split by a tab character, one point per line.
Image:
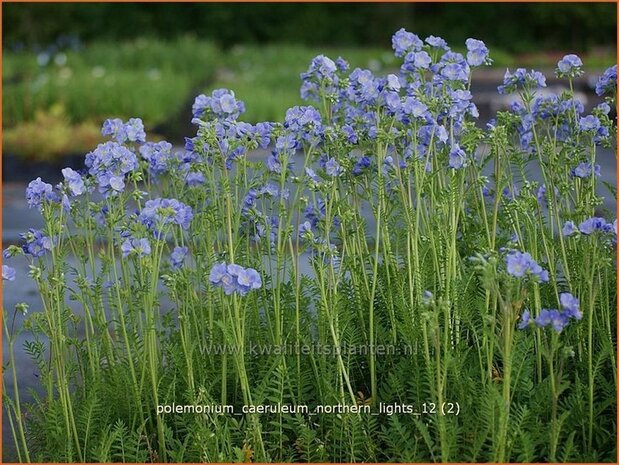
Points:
68	66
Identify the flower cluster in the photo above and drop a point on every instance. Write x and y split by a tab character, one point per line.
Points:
221	104
177	257
133	246
521	79
321	78
234	278
590	226
569	66
405	42
592	125
74	181
557	319
109	163
520	264
158	155
158	213
585	170
457	157
607	84
477	54
35	243
304	123
121	132
39	192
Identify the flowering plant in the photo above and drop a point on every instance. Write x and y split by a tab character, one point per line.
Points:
383	215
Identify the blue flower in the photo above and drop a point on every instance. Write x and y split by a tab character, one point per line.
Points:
525	320
543	319
519	264
432	133
39	192
304	123
323	66
333	168
74	181
583	170
591	225
263	132
248	279
552	317
363	163
321	78
461	104
160	212
273	163
392	83
134	246
305	228
131	131
569	66
286	144
350	133
217	273
455	72
222	104
315	213
194	178
437	42
363	88
112	127
8	273
569	228
571	305
134	131
541	193
521	79
158	156
190	144
603	108
589	123
109	163
234	278
558	320
177	257
249	201
66	203
270	189
392	100
35	243
413	107
477	54
427	297
404	42
607	82
414	61
457	157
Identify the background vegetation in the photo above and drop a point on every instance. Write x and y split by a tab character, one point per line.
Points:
518	27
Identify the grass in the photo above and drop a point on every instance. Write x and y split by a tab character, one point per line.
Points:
51	136
149	78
